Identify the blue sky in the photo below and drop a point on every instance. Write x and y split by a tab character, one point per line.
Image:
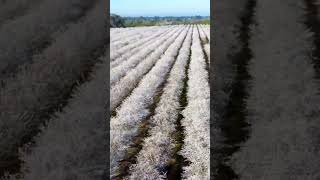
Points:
160	7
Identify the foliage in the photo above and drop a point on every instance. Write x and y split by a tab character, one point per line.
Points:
116	21
167	20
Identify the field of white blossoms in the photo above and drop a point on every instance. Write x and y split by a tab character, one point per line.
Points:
160	102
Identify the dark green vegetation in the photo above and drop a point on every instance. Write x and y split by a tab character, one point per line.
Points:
117	21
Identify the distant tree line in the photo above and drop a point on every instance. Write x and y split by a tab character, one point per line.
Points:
117	21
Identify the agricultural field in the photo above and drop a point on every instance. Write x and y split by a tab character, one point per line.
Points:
160	102
56	58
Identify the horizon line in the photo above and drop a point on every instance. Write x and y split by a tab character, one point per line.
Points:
160	15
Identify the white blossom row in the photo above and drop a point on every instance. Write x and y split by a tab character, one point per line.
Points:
196	148
121	70
128	39
120	33
117	53
157	148
123	87
135	108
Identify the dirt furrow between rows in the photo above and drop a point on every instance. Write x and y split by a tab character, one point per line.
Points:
312	22
175	168
234	125
203	42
